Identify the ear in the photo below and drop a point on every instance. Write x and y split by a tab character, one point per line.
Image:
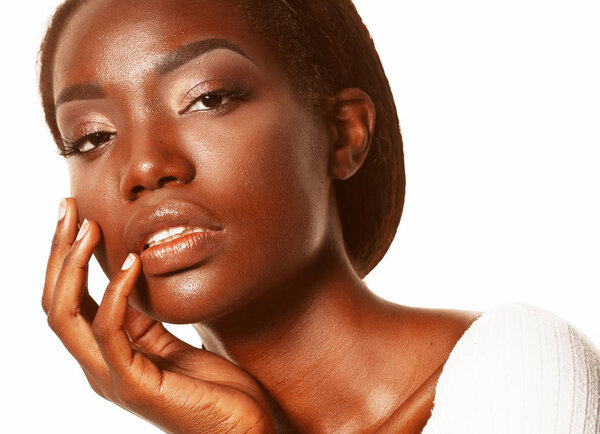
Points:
353	116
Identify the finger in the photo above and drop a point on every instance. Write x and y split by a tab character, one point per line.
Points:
71	283
64	236
151	336
65	312
108	327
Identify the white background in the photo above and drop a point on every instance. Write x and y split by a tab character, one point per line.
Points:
499	104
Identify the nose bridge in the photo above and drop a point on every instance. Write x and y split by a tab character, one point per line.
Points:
151	160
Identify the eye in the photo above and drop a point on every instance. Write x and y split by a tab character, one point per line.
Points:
92	141
86	143
209	101
216	96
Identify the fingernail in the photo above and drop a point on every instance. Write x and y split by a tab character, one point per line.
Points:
83	229
62	209
128	261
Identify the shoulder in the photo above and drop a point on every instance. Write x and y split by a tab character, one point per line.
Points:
521	332
519	368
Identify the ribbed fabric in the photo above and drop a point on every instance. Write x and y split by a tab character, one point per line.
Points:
519	370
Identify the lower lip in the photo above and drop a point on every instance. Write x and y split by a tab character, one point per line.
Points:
184	252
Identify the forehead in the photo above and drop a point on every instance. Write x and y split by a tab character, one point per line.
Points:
116	41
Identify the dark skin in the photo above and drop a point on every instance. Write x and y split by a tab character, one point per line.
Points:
292	332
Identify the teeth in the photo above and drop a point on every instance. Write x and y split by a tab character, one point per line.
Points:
170	234
176	231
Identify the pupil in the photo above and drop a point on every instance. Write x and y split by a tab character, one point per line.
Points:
212	101
98	138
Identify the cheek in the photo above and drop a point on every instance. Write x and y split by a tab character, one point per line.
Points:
95	193
264	170
263	158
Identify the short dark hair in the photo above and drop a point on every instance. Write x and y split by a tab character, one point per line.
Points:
326	47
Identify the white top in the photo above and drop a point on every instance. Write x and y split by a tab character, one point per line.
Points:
519	369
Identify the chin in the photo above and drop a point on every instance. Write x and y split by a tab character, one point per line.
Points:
186	297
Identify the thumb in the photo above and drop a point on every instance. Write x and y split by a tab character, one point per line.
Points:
151	336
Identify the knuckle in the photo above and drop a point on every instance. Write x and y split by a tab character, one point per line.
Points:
59	317
96	389
55	322
45	303
59	322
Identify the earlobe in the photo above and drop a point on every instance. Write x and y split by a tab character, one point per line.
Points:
353	115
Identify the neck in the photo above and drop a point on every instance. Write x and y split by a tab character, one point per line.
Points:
307	342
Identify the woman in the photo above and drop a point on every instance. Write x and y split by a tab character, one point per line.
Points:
235	167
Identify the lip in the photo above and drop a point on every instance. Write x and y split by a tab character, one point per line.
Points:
186	251
183	252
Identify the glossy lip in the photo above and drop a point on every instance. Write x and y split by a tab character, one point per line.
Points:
179	253
183	252
147	242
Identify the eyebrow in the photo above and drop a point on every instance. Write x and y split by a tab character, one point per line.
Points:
167	64
79	91
189	52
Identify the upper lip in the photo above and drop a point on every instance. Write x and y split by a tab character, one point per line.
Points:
151	219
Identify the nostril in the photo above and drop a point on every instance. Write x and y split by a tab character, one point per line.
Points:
160	183
137	190
165	180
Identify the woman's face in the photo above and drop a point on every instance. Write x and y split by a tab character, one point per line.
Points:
182	117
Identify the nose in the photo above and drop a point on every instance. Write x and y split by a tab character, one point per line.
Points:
152	164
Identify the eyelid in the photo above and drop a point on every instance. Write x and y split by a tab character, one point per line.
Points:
87	128
70	142
202	88
229	87
69	149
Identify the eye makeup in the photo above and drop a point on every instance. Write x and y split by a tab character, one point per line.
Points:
212	85
85	138
216	96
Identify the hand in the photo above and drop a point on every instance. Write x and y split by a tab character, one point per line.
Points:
133	360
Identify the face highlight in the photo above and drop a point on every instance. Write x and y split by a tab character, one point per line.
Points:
178	116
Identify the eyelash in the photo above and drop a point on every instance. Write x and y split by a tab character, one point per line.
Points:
71	147
235	92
